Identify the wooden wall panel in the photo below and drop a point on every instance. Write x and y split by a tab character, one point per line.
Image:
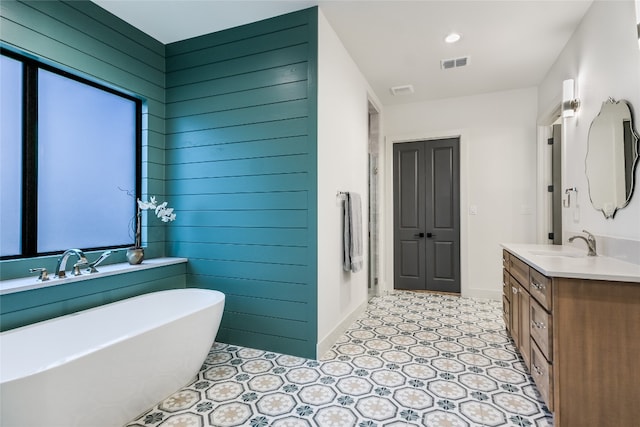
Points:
230	122
23	308
83	39
241	166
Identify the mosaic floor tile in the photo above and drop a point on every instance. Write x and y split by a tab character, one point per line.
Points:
412	359
225	391
335	416
183	420
179	401
317	395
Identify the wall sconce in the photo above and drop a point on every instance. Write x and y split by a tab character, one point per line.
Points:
638	20
570	103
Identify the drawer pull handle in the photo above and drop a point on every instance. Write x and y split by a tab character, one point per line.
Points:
538	325
515	290
538	370
538	286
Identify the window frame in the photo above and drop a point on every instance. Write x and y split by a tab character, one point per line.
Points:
29	223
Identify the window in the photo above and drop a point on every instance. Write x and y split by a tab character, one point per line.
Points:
70	161
10	156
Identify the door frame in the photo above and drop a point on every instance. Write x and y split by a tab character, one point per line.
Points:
387	219
543	169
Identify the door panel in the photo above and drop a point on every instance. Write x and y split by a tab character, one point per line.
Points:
443	253
443	216
410	259
409	212
427	215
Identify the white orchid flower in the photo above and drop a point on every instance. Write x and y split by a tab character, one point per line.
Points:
143	205
162	211
160	208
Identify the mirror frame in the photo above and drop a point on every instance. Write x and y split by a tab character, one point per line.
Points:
636	148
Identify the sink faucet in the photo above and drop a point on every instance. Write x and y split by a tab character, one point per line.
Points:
590	240
62	263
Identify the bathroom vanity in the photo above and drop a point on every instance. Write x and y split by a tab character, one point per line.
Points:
576	322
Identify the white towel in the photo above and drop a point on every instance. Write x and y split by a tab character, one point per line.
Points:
352	233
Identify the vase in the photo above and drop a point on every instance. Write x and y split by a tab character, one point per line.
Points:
135	255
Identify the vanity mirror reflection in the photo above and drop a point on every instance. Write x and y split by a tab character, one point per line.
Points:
612	155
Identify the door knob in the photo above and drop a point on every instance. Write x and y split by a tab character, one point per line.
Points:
418	235
430	235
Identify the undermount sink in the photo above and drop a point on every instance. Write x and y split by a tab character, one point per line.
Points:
559	254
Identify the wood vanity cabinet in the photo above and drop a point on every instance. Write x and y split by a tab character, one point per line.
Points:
515	288
583	343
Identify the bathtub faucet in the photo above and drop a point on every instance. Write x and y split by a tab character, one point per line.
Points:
62	263
92	266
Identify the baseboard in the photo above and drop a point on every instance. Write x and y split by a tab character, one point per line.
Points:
327	342
483	293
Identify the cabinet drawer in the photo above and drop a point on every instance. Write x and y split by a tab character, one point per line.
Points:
506	289
542	373
542	329
505	260
506	311
540	288
520	271
515	311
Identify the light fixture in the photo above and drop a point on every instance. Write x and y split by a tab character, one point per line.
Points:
638	20
570	103
452	38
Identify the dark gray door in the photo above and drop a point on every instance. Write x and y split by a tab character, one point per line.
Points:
427	215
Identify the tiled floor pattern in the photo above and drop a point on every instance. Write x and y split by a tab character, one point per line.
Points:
413	359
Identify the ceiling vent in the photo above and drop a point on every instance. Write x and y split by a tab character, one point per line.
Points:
402	90
447	64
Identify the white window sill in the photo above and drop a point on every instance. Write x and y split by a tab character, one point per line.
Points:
29	283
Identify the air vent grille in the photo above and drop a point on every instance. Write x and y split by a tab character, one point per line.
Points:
402	90
447	64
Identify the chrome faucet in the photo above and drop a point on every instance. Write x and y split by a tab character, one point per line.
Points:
62	263
92	266
590	240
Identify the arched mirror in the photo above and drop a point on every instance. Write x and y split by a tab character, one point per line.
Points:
612	155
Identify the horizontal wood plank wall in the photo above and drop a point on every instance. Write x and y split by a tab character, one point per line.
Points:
241	168
86	40
23	308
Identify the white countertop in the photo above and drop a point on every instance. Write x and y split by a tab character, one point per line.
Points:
567	261
31	282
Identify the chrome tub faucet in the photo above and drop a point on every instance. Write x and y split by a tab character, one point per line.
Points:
92	266
62	263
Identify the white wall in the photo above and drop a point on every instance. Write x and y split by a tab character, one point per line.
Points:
343	95
604	59
498	176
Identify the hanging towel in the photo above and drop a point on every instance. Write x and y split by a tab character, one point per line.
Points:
352	206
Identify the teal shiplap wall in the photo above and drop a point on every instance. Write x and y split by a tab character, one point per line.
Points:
84	39
23	308
241	165
237	159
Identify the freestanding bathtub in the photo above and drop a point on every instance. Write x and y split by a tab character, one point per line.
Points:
106	365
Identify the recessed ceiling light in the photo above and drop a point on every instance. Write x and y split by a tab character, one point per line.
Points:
452	38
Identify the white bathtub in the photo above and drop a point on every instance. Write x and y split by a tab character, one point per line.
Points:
105	366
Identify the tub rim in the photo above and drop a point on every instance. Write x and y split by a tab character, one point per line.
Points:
7	377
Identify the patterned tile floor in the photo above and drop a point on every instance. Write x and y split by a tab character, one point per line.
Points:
413	359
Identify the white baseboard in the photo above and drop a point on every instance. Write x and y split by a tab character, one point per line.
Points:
483	293
327	342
